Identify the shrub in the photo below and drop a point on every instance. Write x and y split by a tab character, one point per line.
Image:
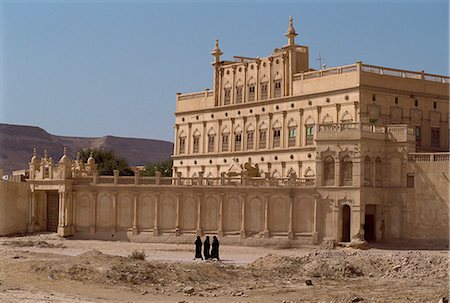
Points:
137	255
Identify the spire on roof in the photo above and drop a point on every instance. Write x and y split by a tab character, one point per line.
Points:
290	34
216	52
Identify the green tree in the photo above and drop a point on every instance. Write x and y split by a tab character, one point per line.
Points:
164	167
106	162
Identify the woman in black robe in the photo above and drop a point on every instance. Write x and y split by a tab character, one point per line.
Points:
198	248
215	249
206	247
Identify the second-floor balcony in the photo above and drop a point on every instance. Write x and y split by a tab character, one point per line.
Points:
358	131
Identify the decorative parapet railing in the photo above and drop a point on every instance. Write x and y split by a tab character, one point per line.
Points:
429	157
403	73
326	72
379	70
223	180
196	95
352	127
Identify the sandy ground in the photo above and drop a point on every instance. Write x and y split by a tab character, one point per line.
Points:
46	268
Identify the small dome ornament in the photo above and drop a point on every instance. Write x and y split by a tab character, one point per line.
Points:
91	160
34	157
64	158
290	34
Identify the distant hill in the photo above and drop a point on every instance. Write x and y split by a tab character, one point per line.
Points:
17	143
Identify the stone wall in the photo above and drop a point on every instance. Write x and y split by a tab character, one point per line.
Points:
13	207
427	203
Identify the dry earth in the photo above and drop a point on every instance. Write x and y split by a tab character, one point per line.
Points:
46	268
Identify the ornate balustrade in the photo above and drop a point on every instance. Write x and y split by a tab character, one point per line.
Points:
429	157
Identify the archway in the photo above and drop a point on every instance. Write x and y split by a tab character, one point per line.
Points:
346	223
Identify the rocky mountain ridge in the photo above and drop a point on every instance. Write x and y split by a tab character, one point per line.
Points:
17	143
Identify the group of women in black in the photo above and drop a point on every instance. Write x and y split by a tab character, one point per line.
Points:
213	254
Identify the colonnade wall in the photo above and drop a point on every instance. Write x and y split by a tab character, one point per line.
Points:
117	212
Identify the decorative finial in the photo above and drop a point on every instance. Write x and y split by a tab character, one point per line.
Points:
34	151
91	154
216	52
78	156
65	151
290	34
45	154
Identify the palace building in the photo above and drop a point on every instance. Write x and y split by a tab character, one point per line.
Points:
276	151
287	117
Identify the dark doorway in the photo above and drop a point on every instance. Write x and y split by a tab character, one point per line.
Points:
52	211
346	223
369	228
369	223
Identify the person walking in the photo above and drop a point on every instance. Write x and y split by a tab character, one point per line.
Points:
206	247
215	249
198	248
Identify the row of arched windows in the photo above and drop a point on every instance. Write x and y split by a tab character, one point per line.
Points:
372	171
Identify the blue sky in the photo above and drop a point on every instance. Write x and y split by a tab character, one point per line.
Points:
95	68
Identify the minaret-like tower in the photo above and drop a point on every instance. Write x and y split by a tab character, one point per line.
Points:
290	34
216	53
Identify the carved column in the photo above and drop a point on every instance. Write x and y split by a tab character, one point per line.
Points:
231	140
269	138
301	131
219	136
114	212
337	170
199	214
32	212
356	106
258	86
233	88
291	215
285	80
177	223
243	201
220	231
256	138
244	134
245	88
270	93
189	142
284	133
266	215
338	110
156	219
176	149
315	235
219	92
319	110
93	213
135	214
283	169
204	136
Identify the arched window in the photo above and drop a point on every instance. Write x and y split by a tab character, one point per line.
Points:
309	129
251	90
264	90
250	136
196	142
227	94
182	143
367	171
239	87
309	173
277	86
238	139
292	129
211	140
378	172
327	119
263	136
276	134
328	170
225	139
346	171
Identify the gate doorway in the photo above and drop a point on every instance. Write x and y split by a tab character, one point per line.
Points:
346	223
369	225
52	211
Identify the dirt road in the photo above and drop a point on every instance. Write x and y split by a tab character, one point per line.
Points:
46	268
